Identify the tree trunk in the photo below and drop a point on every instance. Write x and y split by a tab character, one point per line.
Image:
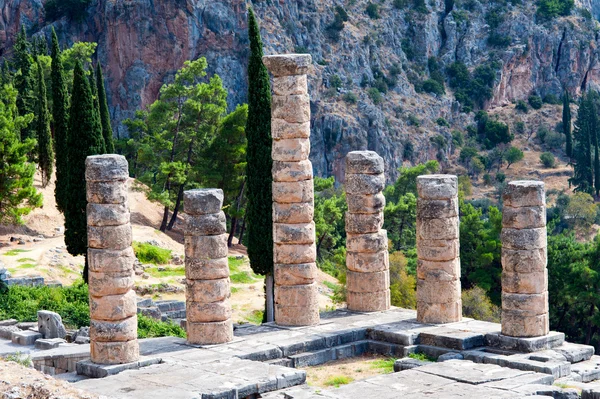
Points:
232	232
242	230
588	336
163	225
176	210
269	298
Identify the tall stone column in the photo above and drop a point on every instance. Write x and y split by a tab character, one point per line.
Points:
367	260
438	267
296	299
206	268
524	259
113	306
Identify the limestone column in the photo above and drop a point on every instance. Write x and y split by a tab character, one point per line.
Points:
368	275
206	268
524	258
294	250
438	265
113	307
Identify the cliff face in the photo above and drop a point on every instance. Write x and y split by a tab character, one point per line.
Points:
143	42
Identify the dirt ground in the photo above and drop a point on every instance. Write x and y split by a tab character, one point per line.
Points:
328	375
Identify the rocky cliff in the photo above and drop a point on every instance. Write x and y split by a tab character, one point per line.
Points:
142	42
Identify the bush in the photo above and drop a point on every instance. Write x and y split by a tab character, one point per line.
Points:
541	133
551	99
442	122
554	140
350	98
548	9
400	4
148	253
464	185
372	10
333	30
487	179
477	305
548	160
402	285
500	177
520	127
375	95
433	87
535	102
458	138
522	106
150	328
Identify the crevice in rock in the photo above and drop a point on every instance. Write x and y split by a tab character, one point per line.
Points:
558	54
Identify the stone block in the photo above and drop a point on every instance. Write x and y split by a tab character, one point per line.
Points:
50	324
525	283
290	85
368	301
360	223
526	304
26	337
107	167
515	324
107	214
206	247
524	239
524	261
367	282
6	331
281	129
284	233
293	192
209	333
528	217
367	262
292	171
363	184
94	370
301	212
111	261
50	343
435	291
408	363
437	209
525	344
203	201
369	203
113	307
98	192
294	253
205	225
207	291
101	284
151	311
437	187
297	295
367	162
438	271
370	243
288	64
197	312
113	331
438	229
439	313
206	269
294	108
437	250
296	315
299	274
109	237
290	150
114	352
523	193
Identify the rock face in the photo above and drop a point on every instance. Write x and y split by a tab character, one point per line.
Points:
142	43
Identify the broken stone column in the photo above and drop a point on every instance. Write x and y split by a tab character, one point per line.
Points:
206	268
438	265
113	308
524	259
294	251
367	260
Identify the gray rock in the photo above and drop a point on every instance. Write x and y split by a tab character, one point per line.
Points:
25	337
49	343
152	311
450	356
408	363
50	325
6	331
203	201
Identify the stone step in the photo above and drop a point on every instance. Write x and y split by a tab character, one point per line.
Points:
575	353
588	370
451	338
314	358
26	337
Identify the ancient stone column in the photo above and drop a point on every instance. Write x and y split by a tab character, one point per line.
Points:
206	268
296	299
113	307
438	267
524	258
368	275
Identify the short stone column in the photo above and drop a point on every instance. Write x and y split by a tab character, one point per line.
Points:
206	268
113	306
367	260
438	265
524	259
294	250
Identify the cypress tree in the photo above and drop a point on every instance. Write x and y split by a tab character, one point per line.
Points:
92	80
566	121
60	116
45	150
84	139
104	115
259	217
583	176
24	81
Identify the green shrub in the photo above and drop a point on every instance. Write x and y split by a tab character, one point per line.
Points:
548	160
522	106
542	132
487	179
500	177
350	98
148	253
442	122
520	127
413	120
535	102
548	9
554	140
151	328
400	4
375	95
551	99
458	138
372	10
433	87
477	305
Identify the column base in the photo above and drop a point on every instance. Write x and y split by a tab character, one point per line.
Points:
524	344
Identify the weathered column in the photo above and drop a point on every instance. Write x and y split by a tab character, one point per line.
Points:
438	267
524	258
367	260
206	268
113	307
296	299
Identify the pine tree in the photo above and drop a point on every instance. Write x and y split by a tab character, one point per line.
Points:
44	136
583	176
84	139
24	81
60	116
259	216
566	121
104	115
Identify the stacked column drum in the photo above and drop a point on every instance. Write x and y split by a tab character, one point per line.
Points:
367	260
206	268
294	250
438	267
524	259
113	306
